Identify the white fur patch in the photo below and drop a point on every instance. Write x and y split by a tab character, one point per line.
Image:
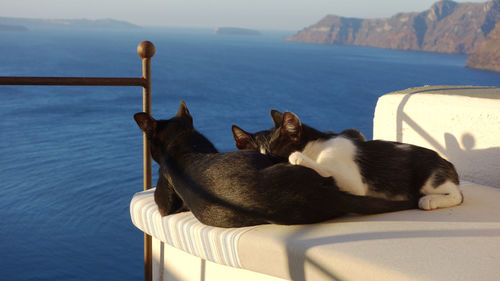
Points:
291	128
443	196
262	150
335	158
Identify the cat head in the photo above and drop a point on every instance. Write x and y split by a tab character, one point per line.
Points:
260	140
291	135
162	132
288	136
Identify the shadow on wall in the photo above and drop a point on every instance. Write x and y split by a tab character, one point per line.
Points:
471	162
477	165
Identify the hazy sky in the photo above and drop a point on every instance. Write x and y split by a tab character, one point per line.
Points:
259	14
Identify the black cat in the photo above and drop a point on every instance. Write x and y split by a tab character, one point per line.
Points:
243	188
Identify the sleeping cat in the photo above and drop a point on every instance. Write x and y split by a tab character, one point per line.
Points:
261	140
383	169
243	188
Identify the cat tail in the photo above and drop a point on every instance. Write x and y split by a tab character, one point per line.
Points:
370	205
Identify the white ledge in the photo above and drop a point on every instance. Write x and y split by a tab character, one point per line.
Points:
462	123
460	243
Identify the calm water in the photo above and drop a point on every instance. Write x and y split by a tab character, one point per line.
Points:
70	157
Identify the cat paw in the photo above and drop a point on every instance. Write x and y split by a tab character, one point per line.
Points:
426	203
296	158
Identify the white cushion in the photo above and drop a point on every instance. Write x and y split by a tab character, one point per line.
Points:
460	243
185	232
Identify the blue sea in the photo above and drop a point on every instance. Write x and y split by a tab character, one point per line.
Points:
71	157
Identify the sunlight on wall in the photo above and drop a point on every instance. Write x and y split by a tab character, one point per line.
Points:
460	123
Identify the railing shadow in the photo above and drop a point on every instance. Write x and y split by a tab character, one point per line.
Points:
299	258
468	160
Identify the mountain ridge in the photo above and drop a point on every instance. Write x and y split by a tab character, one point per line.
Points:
446	27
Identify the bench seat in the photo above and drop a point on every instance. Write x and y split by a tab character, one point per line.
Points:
460	243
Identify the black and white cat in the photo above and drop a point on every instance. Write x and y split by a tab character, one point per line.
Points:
261	140
243	188
383	169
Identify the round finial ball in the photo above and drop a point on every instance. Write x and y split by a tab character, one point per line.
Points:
146	49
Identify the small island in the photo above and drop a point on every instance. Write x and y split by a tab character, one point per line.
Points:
235	31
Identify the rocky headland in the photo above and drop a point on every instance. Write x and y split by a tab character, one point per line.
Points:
447	27
487	56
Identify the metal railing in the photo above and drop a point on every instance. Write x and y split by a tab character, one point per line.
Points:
146	51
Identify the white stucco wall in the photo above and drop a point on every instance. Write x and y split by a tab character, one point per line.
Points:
461	123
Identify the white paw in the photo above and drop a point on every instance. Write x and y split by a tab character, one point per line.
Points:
426	203
296	158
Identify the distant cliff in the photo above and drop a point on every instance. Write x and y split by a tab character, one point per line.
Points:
66	23
9	27
446	27
487	56
235	31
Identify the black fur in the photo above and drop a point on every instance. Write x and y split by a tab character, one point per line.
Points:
245	140
245	187
398	172
261	139
167	200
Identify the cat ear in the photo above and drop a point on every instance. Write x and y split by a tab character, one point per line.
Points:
277	117
184	113
291	126
241	137
146	123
